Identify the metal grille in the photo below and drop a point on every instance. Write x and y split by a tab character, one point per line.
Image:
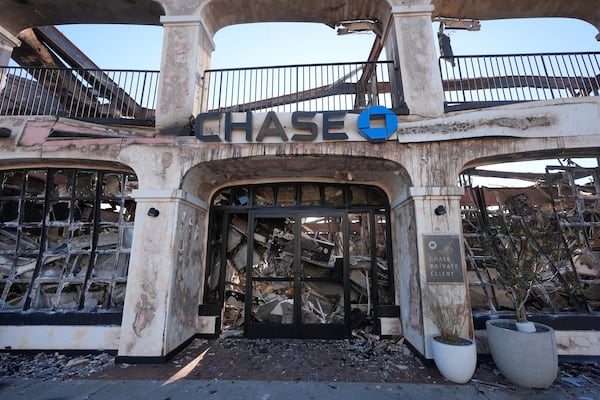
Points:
79	93
65	239
488	80
317	87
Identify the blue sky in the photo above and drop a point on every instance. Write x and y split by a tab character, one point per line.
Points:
139	47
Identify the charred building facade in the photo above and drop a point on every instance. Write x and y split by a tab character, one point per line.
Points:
141	209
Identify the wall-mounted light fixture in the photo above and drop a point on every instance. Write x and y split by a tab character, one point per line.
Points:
5	132
153	212
440	210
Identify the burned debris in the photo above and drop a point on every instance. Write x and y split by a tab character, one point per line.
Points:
322	297
65	238
559	217
53	366
297	269
238	359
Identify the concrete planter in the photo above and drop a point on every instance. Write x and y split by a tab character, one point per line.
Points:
456	362
527	359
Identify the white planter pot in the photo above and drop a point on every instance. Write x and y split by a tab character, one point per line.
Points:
456	362
527	359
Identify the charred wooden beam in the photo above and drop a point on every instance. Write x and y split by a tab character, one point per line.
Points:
45	52
524	176
99	80
367	74
585	85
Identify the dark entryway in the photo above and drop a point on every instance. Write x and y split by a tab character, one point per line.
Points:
300	284
299	260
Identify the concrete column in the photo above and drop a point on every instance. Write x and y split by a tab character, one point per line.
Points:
187	47
7	43
414	216
163	284
409	42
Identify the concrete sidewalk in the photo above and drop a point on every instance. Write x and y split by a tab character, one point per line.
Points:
273	390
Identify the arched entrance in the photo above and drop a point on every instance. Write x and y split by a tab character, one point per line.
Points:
299	260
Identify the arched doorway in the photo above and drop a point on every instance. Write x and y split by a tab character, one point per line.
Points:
299	260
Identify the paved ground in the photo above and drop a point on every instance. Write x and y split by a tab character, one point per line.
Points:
268	390
273	369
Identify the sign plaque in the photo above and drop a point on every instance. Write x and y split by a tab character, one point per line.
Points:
443	263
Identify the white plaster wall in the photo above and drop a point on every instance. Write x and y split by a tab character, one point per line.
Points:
149	281
161	304
412	37
407	274
63	337
182	313
414	217
186	53
7	43
539	119
462	139
578	343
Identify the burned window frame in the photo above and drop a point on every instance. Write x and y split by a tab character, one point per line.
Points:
81	255
250	199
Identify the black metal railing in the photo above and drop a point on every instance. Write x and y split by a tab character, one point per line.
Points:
85	94
310	87
129	97
488	80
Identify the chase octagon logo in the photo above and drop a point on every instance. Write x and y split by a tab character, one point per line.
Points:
377	134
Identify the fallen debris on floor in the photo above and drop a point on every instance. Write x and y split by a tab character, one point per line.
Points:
52	366
365	358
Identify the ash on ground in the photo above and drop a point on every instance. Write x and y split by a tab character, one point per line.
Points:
365	358
52	366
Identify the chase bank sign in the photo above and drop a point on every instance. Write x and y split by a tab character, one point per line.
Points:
375	124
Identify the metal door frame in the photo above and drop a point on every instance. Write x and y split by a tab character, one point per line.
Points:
297	329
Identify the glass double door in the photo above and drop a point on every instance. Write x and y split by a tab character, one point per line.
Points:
296	277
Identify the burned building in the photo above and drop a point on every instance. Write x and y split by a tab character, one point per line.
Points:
142	209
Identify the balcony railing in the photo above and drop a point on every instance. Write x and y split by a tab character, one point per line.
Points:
129	97
105	96
483	81
316	87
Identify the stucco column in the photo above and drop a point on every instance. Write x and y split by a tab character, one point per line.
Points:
187	47
163	284
414	218
7	43
409	42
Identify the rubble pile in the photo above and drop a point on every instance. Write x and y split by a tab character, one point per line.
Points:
54	366
321	265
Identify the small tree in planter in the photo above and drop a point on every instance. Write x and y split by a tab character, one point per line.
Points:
524	352
521	241
518	265
454	356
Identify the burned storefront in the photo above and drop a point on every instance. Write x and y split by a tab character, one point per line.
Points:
140	210
300	260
